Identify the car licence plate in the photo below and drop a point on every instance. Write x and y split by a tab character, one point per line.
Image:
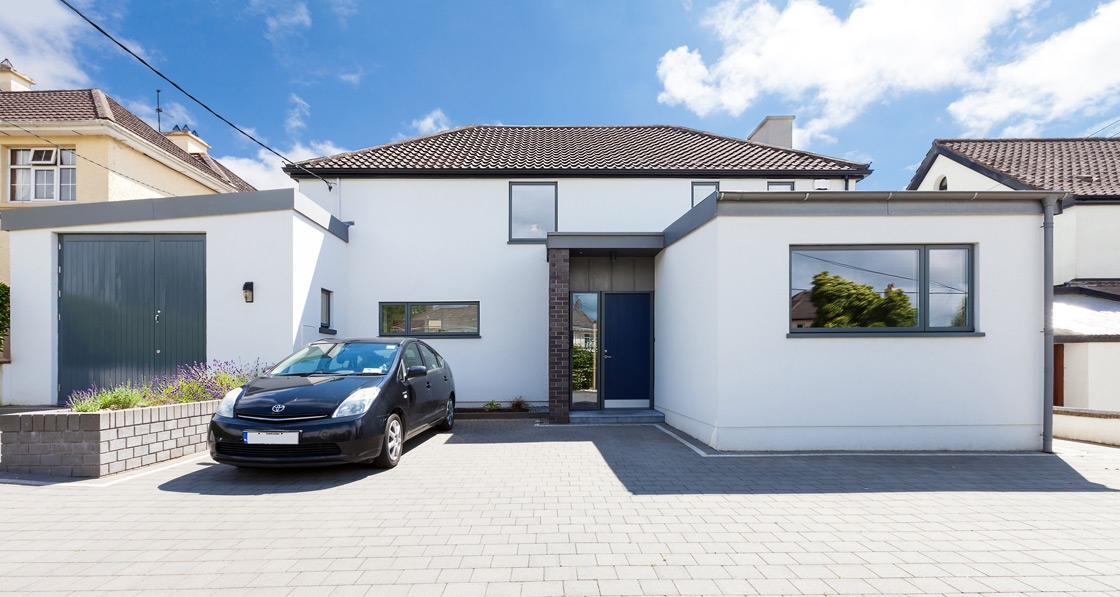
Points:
270	437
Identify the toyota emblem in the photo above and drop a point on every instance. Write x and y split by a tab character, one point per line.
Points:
278	408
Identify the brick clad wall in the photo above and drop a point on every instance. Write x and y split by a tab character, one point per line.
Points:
559	337
69	444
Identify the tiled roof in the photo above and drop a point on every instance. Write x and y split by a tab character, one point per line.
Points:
1087	167
1079	316
481	149
93	104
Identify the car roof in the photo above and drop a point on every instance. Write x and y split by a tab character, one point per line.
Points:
364	340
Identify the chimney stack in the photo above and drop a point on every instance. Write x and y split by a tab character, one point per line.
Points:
13	80
187	140
774	130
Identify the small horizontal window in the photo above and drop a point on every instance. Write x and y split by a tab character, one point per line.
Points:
429	319
779	186
925	288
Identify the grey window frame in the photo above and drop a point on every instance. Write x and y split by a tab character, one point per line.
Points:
555	211
923	328
792	185
702	182
326	299
408	333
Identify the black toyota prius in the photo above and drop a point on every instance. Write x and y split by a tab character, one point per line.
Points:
334	402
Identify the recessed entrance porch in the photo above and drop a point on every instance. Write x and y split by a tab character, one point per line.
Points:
600	323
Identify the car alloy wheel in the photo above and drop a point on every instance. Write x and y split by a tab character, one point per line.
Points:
448	417
393	443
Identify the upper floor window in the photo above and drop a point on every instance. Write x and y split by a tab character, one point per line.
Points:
703	190
779	186
943	184
532	211
42	174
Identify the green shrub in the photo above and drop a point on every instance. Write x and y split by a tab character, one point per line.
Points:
5	313
192	383
492	405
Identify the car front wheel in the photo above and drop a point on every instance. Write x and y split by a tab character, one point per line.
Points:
392	445
448	416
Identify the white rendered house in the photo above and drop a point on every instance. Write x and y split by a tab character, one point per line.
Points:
604	268
1086	244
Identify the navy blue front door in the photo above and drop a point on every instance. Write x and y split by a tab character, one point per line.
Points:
627	350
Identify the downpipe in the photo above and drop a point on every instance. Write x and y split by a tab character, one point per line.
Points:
1048	323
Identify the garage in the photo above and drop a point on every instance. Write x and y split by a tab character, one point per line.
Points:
132	307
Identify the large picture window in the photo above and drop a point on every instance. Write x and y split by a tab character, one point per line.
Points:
42	174
923	288
429	319
532	211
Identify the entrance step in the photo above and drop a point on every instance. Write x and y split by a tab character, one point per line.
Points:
615	416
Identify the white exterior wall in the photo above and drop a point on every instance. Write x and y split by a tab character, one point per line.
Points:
931	393
958	177
686	331
255	247
1098	244
319	262
1092	375
434	240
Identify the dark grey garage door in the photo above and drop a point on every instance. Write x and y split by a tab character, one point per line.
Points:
131	307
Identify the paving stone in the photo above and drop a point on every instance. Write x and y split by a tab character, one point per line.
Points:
509	508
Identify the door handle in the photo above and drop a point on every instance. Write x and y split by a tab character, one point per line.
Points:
428	384
157	315
607	356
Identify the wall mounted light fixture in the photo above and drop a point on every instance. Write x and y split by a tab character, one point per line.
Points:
247	290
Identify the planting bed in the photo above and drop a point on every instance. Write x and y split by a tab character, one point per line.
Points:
70	444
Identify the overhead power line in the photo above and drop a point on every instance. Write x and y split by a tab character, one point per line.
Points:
195	99
99	165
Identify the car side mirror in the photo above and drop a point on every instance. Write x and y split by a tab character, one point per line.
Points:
416	371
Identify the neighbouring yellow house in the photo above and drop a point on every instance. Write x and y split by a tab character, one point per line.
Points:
81	146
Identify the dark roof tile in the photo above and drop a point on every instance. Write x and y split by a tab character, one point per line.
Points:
93	104
1088	167
652	149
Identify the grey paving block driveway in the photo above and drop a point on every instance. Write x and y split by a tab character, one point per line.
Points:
508	508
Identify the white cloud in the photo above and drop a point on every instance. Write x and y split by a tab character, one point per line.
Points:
288	19
434	122
264	170
1070	74
805	53
297	115
344	8
353	78
40	38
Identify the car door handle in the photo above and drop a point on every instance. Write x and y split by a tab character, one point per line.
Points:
444	378
428	384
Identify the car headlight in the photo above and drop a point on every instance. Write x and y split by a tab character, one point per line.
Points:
225	407
357	404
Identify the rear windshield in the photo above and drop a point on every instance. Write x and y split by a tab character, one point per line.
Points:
343	358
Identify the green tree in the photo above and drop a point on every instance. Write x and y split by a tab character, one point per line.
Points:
583	368
841	303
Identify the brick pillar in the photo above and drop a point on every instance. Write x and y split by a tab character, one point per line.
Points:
559	337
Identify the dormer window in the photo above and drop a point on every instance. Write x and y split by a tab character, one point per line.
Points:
42	174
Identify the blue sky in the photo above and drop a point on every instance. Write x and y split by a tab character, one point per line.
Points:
873	80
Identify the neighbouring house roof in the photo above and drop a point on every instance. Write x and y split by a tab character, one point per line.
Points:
24	107
1083	318
657	150
1087	167
1108	288
580	320
801	307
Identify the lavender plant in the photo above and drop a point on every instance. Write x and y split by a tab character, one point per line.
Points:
191	383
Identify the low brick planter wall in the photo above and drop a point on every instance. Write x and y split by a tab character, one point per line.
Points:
70	444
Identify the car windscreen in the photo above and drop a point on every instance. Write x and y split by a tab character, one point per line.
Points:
341	358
